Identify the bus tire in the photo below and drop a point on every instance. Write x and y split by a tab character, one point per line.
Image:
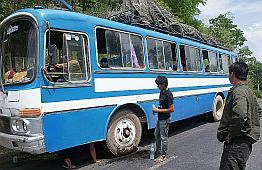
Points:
218	108
124	133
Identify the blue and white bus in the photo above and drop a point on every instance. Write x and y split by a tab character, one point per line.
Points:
69	79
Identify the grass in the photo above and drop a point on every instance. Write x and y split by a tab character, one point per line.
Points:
6	155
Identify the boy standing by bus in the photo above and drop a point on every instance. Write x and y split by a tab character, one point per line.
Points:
166	106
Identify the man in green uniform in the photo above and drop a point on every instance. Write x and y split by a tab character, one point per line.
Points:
240	124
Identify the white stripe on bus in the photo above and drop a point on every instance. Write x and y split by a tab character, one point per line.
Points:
120	84
98	102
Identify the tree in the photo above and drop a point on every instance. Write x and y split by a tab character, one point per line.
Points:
223	29
185	10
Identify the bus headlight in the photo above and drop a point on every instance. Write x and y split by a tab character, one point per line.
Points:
20	125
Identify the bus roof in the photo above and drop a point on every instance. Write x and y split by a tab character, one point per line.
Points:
74	21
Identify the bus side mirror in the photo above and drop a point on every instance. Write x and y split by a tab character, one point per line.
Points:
52	54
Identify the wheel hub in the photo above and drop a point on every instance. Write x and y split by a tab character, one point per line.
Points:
125	132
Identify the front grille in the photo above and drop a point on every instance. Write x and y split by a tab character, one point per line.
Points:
5	125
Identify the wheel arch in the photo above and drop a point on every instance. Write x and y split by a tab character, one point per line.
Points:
135	107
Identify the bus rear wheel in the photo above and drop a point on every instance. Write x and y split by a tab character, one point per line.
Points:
218	108
124	133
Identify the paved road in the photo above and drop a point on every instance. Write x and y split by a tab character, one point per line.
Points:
192	145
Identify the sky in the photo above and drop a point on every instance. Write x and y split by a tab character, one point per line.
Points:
247	15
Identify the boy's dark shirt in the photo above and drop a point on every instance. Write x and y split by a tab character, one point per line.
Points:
165	101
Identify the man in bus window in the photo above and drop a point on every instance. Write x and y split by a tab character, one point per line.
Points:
166	106
240	124
104	63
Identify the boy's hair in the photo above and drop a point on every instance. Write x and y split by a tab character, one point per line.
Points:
161	80
240	69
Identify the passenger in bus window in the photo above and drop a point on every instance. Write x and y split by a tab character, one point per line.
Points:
104	63
207	68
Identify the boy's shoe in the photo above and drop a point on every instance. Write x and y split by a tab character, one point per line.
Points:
160	159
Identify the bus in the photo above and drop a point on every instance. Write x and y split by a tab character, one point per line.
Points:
69	79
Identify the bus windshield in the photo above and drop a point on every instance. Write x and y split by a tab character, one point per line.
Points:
18	51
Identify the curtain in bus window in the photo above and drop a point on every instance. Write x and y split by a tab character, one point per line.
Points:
160	55
113	49
152	54
168	56
137	52
126	51
225	63
213	61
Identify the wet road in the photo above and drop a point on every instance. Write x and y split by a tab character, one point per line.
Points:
192	145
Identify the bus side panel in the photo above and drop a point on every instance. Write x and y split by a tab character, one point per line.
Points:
185	107
189	106
69	129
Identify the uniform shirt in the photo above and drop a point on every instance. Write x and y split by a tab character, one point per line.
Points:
165	101
241	116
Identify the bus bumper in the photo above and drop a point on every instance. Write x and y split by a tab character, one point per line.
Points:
33	145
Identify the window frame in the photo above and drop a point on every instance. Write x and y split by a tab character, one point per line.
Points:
201	57
162	40
125	32
87	59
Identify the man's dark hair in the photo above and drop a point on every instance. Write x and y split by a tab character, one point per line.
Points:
161	80
240	69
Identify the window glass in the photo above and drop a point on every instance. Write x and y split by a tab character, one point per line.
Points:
19	51
193	60
137	51
71	52
168	56
183	57
225	63
119	50
126	51
161	54
206	61
213	61
113	47
75	67
152	54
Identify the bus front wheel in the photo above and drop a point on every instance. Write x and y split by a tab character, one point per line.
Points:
124	133
218	108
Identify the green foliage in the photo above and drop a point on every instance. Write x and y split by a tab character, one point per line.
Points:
258	93
223	29
185	11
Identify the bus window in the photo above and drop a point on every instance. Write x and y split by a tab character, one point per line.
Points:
119	50
213	60
224	62
161	54
72	56
127	60
113	47
137	51
183	57
206	61
152	54
192	59
170	56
